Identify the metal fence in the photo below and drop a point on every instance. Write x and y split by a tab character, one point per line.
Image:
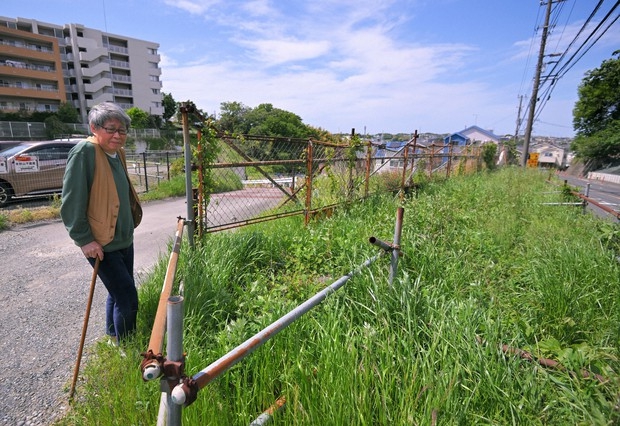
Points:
148	169
257	178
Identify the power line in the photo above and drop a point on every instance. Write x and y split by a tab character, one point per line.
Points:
563	65
581	51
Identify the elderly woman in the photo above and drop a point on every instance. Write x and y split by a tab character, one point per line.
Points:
100	210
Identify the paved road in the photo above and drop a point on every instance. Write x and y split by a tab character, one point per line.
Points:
605	193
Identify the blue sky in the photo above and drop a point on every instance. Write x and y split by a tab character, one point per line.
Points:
376	66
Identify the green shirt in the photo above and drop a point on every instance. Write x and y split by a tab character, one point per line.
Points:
77	182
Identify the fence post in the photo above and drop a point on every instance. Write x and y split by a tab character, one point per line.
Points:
350	166
168	164
309	167
191	225
404	175
398	228
174	354
587	194
146	177
413	153
367	177
450	153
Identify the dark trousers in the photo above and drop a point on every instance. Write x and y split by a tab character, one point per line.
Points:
116	273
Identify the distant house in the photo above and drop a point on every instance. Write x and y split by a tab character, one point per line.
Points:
457	139
480	136
389	156
472	135
551	156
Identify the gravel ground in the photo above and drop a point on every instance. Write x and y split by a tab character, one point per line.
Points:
44	287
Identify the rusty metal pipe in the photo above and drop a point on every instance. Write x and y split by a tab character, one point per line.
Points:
603	207
267	415
207	375
381	244
153	369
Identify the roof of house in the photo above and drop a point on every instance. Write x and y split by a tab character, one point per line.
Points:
458	137
487	135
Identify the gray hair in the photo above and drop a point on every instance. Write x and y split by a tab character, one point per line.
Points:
105	111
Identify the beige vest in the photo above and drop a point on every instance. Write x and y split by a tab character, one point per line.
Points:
103	202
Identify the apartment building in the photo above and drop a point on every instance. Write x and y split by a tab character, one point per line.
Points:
44	64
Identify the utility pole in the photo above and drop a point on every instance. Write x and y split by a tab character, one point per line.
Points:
518	119
533	100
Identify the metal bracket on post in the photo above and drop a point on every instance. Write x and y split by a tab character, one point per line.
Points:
392	248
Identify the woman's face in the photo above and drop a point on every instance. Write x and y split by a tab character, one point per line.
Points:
111	136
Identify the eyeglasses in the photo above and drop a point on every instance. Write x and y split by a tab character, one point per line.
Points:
112	130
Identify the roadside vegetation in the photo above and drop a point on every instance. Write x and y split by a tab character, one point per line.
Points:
488	270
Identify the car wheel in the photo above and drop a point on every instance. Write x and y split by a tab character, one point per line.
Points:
5	193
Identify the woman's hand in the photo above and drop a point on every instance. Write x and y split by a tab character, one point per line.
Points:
93	249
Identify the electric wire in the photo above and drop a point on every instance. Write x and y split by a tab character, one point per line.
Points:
545	94
563	65
578	54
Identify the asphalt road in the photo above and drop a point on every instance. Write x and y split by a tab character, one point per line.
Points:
605	193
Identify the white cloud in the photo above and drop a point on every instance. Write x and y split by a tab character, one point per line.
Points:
275	52
195	7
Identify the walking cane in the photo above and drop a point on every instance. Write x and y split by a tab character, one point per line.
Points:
85	327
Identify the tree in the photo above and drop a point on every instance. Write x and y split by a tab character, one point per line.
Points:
139	118
170	106
233	117
489	150
67	113
265	120
55	128
596	116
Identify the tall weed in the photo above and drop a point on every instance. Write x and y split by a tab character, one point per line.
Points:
487	268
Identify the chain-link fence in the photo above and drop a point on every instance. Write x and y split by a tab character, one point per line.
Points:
255	178
148	169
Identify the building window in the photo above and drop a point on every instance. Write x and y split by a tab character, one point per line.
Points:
154	78
155	91
151	51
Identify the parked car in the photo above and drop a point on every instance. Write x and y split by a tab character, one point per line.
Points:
8	144
32	168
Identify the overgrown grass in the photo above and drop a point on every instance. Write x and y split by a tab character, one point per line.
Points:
485	264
